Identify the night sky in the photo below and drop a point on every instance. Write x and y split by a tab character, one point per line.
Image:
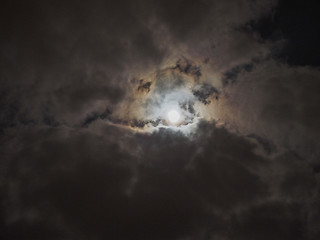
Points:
160	120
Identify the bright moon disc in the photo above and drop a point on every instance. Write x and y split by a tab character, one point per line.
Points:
173	116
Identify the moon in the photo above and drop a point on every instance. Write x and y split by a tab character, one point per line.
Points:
173	116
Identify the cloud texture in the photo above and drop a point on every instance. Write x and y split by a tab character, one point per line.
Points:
86	150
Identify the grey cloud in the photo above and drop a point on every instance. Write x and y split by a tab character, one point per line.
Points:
70	57
76	162
172	187
74	57
268	146
280	104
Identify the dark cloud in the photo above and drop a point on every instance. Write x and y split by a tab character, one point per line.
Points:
187	67
272	220
66	57
144	86
204	91
87	151
281	106
172	187
93	183
267	145
231	75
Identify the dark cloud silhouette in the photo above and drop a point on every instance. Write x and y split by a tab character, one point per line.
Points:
144	86
187	67
204	91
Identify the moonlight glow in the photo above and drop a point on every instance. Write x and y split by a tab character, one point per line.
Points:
173	116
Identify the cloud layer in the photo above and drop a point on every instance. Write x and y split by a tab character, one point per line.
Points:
86	150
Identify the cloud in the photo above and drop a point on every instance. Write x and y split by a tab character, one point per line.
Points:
280	104
86	148
90	184
161	190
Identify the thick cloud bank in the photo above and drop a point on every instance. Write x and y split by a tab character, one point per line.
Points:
87	150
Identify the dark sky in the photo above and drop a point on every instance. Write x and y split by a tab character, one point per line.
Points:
87	148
